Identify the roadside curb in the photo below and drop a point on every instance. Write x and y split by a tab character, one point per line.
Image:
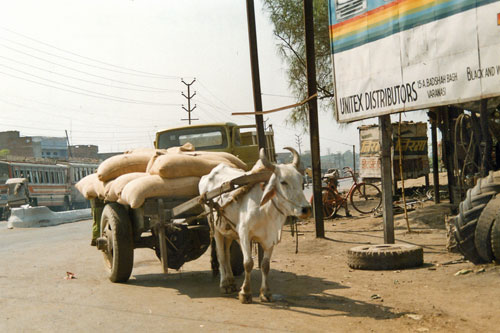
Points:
34	217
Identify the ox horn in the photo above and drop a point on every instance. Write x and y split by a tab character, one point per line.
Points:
264	160
296	157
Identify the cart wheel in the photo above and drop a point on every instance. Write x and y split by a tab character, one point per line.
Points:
119	252
236	258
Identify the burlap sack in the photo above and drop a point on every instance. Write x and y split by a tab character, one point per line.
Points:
221	155
138	190
118	165
150	151
180	165
184	148
114	188
91	187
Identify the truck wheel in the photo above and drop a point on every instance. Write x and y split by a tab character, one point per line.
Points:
470	210
119	251
482	238
385	256
495	239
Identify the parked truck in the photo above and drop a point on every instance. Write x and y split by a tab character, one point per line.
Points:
240	141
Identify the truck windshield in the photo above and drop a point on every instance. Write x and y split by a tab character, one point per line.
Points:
201	138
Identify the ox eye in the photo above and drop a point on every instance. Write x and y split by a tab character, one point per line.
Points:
284	183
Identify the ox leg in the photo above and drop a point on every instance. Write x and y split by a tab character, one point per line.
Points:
245	295
265	292
227	284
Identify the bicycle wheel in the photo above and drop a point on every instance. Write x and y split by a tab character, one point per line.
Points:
366	198
330	204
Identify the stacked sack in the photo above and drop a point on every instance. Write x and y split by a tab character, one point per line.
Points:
134	176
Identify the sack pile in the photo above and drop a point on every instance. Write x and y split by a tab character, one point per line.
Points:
134	176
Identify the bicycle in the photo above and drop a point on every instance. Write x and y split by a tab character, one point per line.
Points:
364	197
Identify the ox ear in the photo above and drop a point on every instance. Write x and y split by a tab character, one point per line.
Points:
269	190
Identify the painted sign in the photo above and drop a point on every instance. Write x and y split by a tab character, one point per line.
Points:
400	55
413	145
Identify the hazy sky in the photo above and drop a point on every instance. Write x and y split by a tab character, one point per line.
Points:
109	72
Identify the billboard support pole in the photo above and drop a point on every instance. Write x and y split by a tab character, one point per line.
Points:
486	139
313	117
435	161
385	129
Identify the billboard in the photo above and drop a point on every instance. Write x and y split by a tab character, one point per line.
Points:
400	55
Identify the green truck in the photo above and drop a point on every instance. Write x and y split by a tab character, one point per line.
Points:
240	141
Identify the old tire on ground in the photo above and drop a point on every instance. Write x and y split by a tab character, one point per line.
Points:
482	238
119	252
469	212
236	258
385	256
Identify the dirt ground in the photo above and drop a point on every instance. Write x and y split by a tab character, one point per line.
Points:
428	298
314	290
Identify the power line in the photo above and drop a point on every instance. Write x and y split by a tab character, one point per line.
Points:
83	80
80	71
88	92
137	73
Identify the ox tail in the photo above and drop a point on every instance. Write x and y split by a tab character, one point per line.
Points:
213	258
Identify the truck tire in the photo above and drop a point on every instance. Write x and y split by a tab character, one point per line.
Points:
495	239
469	212
482	238
118	255
385	256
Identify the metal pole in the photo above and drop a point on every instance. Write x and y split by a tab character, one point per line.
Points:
486	139
354	158
435	161
69	146
385	129
254	61
313	117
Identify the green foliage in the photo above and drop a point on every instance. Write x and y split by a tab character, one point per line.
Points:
4	152
288	19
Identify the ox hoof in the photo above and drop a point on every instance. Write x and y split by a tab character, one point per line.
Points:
245	298
229	289
266	298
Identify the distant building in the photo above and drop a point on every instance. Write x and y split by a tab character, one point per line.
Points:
84	151
17	145
53	147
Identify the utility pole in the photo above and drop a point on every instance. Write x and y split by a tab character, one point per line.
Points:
188	97
313	117
298	140
254	65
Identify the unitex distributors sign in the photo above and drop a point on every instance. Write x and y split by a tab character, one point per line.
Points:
392	56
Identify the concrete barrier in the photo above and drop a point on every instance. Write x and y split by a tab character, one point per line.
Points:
33	217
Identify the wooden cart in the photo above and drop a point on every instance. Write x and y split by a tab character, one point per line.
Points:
177	229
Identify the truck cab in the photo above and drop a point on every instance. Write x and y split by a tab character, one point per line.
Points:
240	141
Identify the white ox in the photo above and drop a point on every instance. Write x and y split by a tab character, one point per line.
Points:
257	215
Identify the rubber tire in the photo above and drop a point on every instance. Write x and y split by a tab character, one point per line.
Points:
115	223
482	236
236	258
376	189
495	239
385	256
470	210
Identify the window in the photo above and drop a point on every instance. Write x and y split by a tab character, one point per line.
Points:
211	137
52	178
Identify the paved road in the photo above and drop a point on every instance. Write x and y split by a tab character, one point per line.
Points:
34	296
